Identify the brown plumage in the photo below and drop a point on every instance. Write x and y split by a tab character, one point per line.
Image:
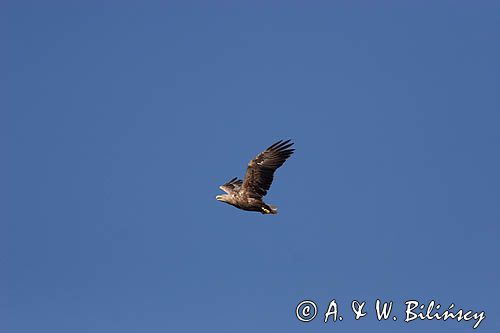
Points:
247	194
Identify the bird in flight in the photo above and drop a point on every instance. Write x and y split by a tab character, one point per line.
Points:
247	194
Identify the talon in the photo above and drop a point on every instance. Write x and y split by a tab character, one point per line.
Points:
265	210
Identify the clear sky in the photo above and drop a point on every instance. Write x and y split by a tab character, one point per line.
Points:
119	121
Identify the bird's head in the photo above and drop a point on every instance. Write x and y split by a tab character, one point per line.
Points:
222	197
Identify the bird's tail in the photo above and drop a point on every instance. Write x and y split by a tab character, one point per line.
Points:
274	209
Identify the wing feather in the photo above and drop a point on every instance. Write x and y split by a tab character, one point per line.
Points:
260	170
232	185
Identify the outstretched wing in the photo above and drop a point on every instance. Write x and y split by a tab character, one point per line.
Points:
260	171
232	185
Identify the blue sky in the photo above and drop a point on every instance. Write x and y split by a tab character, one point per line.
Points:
118	123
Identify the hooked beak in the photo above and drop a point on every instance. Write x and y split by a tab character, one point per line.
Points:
219	197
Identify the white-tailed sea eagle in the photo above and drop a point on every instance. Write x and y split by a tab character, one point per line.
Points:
247	194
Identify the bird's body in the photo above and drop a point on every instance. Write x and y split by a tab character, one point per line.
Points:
247	194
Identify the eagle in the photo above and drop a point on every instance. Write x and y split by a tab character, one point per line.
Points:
247	194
